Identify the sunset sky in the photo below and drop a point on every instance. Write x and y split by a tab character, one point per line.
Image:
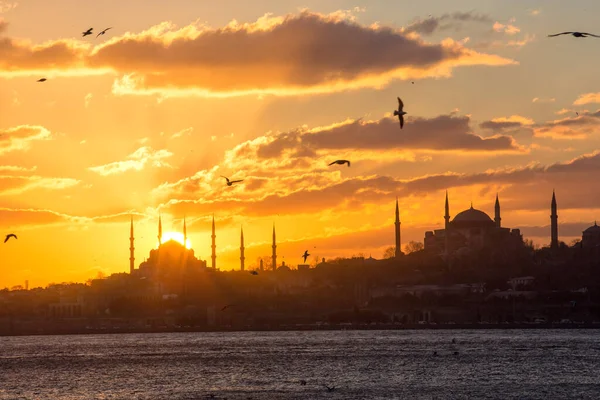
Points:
144	119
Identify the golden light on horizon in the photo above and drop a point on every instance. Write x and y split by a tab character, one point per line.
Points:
176	236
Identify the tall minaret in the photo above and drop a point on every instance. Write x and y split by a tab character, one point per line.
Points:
159	231
553	223
131	248
274	256
497	218
397	223
214	247
184	233
447	226
242	258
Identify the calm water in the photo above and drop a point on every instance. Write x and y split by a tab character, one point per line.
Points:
532	364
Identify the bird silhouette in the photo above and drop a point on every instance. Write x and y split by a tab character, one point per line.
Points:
229	183
103	32
253	272
302	382
305	255
576	34
227	306
340	162
88	32
330	389
400	112
42	80
9	236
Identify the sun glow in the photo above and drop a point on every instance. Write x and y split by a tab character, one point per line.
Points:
176	236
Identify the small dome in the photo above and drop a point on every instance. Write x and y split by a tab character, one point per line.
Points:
472	215
593	229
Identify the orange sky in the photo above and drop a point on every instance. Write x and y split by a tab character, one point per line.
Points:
146	118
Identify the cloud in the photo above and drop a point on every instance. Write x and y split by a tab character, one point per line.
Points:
6	6
587	99
442	133
543	100
575	127
186	131
447	21
288	55
16	185
138	160
20	137
14	168
87	99
28	217
535	12
505	28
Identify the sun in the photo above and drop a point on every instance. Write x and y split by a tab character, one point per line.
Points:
176	236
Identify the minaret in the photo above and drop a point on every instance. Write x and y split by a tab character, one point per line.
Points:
553	223
397	223
447	226
274	256
242	258
159	231
214	247
497	218
131	248
184	233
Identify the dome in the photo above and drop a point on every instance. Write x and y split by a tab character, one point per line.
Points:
593	229
472	216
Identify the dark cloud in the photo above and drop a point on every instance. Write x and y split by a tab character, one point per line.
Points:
447	21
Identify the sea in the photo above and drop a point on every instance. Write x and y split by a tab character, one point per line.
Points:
370	364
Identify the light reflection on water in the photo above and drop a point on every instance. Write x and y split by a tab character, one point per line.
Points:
531	364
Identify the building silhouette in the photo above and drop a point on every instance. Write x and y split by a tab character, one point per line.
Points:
274	255
471	229
213	246
131	249
591	236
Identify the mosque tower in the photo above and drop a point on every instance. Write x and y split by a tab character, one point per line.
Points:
497	218
553	223
447	225
397	223
214	247
242	258
131	249
274	256
159	231
184	233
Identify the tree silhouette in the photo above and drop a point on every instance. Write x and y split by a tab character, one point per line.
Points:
390	252
413	247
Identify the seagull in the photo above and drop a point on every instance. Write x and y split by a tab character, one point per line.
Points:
576	34
103	32
305	255
9	236
330	389
340	162
400	113
227	306
42	80
88	32
302	382
229	183
254	272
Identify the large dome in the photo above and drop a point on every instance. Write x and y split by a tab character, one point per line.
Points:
472	216
593	229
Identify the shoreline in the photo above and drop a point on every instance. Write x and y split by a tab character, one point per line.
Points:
303	328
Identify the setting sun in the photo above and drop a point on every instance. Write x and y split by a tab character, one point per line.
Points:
176	236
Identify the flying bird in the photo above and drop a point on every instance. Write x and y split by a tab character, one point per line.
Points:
254	272
42	80
229	183
305	255
302	382
330	389
9	236
576	34
340	162
227	306
400	112
103	32
88	32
